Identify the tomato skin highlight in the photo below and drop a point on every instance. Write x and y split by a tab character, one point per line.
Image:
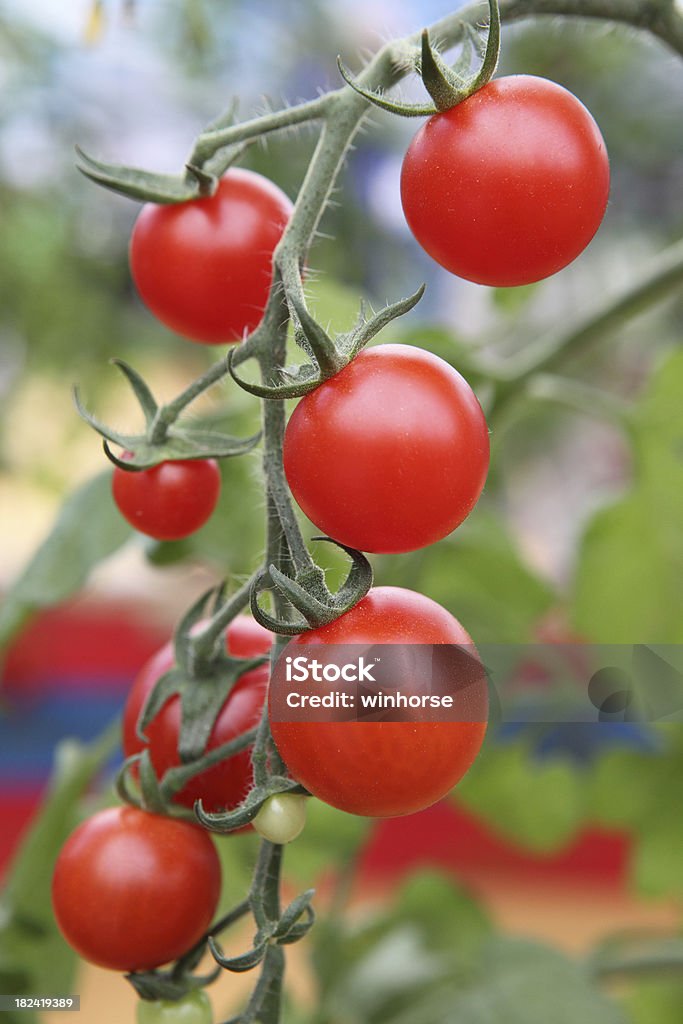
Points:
171	500
133	890
390	454
379	769
509	186
225	785
204	267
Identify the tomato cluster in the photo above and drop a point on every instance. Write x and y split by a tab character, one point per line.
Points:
389	454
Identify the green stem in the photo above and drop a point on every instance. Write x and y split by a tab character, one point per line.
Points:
661	277
203	644
640	965
580	397
210	142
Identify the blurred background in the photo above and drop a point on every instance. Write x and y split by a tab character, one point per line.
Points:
563	847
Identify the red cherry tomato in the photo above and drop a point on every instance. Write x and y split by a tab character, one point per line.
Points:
375	768
169	501
225	785
132	890
204	268
508	186
390	454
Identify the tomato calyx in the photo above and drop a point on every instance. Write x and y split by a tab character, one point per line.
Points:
203	676
229	821
174	983
308	593
447	85
328	356
295	921
165	438
209	160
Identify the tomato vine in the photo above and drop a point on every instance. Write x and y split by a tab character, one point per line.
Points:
204	673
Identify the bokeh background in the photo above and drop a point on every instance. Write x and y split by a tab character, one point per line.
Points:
559	841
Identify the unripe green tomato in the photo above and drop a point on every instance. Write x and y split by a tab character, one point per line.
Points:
194	1008
281	818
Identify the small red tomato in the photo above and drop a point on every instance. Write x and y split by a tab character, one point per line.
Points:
380	768
390	454
169	501
133	890
225	785
204	268
508	186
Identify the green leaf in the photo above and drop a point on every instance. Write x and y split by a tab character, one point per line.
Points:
478	575
136	183
658	853
629	579
621	786
524	983
656	1002
33	954
536	803
450	919
88	529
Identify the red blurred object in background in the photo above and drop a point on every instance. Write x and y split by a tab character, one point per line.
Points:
77	649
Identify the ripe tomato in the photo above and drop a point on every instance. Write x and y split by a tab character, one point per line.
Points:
508	186
204	267
169	501
390	454
194	1008
225	785
379	768
132	890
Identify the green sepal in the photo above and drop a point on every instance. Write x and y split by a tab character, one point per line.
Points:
330	356
146	399
201	701
176	442
169	984
152	799
446	85
377	100
290	924
366	329
238	964
138	184
302	379
166	687
228	821
307	593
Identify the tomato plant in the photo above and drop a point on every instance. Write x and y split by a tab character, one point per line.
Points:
390	454
281	818
508	186
228	782
133	890
194	1008
387	452
169	501
379	769
204	267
